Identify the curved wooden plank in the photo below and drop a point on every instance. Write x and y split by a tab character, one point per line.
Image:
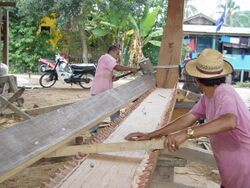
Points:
29	141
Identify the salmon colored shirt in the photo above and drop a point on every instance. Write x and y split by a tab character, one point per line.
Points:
103	76
231	148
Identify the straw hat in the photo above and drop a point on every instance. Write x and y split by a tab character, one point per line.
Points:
209	64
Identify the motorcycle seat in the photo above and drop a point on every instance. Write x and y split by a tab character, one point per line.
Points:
83	66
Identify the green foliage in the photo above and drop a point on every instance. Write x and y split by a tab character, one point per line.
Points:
152	52
243	84
148	22
241	19
26	47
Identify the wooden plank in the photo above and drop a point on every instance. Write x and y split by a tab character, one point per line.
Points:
116	158
39	136
109	147
11	100
11	106
42	110
121	173
170	52
16	95
11	81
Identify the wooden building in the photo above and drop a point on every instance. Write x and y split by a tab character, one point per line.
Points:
234	42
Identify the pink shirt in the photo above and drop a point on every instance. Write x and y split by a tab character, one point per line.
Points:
232	148
104	73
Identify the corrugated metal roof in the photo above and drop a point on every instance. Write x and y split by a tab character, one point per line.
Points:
210	29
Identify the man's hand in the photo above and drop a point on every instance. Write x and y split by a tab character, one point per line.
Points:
137	136
173	141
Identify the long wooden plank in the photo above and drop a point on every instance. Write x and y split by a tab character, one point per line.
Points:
109	147
170	52
121	173
29	141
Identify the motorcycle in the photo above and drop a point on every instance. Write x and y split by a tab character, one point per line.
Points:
82	74
45	64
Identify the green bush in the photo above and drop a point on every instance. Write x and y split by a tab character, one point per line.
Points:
152	52
26	46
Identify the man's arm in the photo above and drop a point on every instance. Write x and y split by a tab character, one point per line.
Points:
123	68
224	123
180	123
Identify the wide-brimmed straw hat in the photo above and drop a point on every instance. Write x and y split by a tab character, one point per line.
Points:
210	64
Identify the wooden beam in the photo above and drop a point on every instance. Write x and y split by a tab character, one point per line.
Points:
5	103
145	118
7	4
109	147
41	135
187	96
171	45
12	99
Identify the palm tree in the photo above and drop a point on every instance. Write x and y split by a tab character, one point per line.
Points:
231	9
190	10
241	19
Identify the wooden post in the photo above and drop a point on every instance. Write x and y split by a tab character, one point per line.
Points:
171	45
1	25
6	37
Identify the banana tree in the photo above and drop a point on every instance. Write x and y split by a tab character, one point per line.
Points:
142	33
231	9
109	24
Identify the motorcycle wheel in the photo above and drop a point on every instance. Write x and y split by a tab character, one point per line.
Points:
47	80
86	80
42	68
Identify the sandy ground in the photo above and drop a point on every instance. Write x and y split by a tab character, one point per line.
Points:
193	175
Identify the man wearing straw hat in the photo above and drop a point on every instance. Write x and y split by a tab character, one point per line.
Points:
227	120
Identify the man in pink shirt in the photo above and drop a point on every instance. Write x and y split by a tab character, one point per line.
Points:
227	120
105	76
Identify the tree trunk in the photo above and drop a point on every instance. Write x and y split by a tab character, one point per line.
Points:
84	44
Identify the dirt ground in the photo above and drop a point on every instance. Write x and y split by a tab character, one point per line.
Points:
193	175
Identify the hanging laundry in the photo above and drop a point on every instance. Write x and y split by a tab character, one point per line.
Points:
234	40
225	39
192	45
186	41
